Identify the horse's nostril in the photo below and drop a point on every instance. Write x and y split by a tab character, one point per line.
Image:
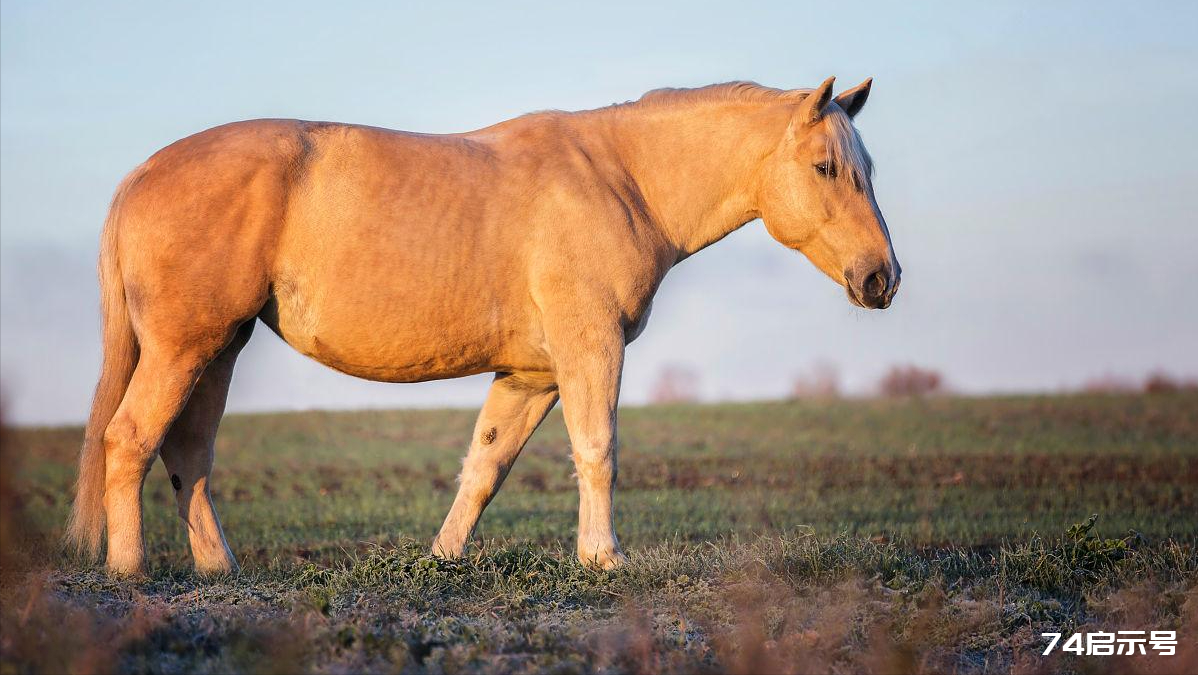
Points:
875	285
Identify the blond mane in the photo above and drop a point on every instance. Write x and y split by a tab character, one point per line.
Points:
845	147
738	91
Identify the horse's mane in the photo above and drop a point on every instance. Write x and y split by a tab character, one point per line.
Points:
725	91
844	142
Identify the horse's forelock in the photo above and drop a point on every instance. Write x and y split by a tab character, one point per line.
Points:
845	147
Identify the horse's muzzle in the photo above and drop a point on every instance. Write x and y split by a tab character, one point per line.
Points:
872	285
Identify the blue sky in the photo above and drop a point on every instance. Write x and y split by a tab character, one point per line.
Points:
1035	164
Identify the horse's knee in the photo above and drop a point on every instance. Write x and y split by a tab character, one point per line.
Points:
127	454
483	472
190	493
183	494
119	433
595	462
187	469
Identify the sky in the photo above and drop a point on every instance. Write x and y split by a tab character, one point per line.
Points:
1036	166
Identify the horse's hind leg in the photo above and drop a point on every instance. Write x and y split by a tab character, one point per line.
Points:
188	452
156	395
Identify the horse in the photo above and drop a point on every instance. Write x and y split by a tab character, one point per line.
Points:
530	249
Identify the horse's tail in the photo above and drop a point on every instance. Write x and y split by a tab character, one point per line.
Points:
86	524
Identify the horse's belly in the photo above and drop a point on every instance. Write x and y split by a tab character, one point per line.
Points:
397	358
398	341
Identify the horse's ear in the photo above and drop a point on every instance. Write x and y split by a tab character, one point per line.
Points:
853	100
812	107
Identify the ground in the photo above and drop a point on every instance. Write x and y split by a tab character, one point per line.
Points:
938	535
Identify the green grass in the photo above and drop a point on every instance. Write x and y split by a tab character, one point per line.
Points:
792	536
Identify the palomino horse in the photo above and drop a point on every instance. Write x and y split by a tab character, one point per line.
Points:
530	249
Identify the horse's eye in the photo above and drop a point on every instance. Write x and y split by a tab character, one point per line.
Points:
826	169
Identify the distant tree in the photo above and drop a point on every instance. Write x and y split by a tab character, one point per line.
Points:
675	384
822	380
1110	384
910	380
1160	382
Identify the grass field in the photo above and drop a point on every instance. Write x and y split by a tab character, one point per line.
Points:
867	535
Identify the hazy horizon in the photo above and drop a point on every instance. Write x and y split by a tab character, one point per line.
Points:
1035	166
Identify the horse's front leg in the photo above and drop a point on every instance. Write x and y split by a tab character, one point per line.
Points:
515	407
588	375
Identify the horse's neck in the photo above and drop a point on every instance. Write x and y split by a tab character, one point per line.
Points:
697	166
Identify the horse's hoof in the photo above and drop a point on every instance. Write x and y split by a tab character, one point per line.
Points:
446	551
126	572
604	560
217	569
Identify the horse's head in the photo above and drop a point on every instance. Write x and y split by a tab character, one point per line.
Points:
817	197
